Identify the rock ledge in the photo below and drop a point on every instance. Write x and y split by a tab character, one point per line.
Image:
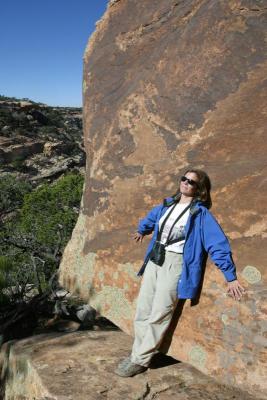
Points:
80	365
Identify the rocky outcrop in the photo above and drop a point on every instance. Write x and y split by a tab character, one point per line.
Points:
167	85
81	366
18	149
38	142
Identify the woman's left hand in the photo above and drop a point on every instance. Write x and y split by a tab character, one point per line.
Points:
235	290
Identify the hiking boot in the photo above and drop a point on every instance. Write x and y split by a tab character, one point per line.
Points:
130	369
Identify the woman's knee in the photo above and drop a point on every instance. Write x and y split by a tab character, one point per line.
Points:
161	315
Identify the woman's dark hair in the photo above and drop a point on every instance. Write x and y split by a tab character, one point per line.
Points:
203	187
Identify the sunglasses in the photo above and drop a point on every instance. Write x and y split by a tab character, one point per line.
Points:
190	182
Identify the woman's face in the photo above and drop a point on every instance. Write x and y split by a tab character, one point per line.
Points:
189	188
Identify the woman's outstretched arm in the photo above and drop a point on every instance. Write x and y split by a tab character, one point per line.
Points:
147	224
218	247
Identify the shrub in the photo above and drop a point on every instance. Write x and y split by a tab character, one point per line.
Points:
49	213
12	192
31	243
5	268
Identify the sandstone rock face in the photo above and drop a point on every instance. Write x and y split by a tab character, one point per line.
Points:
167	85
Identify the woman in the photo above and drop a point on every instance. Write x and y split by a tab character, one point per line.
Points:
184	232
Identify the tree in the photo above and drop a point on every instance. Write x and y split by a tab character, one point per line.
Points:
12	193
34	240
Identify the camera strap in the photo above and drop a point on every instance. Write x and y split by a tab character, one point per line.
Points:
169	234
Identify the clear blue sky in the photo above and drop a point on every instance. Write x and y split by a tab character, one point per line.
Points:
42	45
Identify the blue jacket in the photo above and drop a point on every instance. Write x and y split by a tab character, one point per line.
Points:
203	235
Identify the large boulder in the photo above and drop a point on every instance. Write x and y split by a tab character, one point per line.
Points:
167	85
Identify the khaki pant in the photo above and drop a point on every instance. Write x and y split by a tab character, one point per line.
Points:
155	305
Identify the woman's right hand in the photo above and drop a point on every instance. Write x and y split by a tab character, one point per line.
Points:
138	237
